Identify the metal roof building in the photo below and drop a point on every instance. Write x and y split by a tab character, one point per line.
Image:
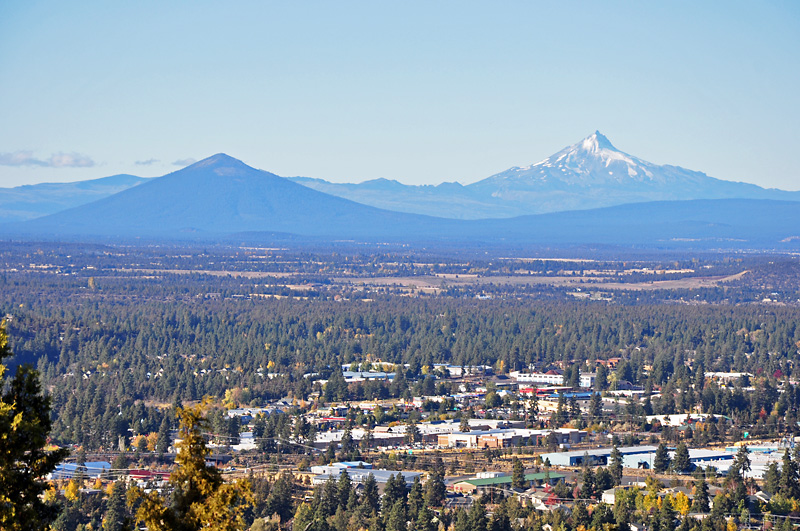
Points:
597	456
477	484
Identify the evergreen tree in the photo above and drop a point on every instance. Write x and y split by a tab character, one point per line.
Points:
464	425
500	520
424	521
435	489
343	489
394	491
462	522
790	483
681	462
477	516
396	517
412	434
772	478
742	461
200	498
415	498
667	515
370	499
24	428
279	500
348	446
329	497
615	465
661	459
601	378
700	502
580	516
596	407
588	484
517	474
116	517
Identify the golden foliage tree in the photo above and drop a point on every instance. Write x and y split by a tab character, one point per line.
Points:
200	498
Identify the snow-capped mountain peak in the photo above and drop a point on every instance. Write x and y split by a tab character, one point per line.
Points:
596	142
594	161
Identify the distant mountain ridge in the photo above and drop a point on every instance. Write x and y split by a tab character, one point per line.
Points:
589	174
217	196
223	199
34	200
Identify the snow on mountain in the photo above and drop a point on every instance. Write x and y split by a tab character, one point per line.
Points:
594	161
593	173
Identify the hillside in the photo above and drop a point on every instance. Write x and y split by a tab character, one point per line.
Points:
32	201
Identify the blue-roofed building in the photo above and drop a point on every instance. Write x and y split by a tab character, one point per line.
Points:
92	469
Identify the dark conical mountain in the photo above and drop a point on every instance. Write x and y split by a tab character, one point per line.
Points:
222	195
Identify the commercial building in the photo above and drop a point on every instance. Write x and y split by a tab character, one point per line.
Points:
599	456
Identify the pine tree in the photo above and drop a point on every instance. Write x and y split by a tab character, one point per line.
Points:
615	465
477	516
500	520
412	434
395	490
164	439
24	428
790	488
424	521
517	474
742	461
396	517
596	406
580	516
772	478
415	498
588	484
661	459
700	502
464	425
435	489
681	462
200	498
343	489
116	517
461	521
667	515
370	499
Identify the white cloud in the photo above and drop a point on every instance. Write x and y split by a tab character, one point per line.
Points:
147	162
56	160
184	162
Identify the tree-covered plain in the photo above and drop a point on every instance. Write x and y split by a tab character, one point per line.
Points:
116	346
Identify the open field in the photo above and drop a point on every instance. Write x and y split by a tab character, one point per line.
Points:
438	282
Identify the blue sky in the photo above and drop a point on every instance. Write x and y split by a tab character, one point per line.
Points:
421	92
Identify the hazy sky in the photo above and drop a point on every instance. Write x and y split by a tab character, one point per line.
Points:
421	92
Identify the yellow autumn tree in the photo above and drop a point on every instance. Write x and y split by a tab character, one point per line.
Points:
72	490
201	499
681	503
